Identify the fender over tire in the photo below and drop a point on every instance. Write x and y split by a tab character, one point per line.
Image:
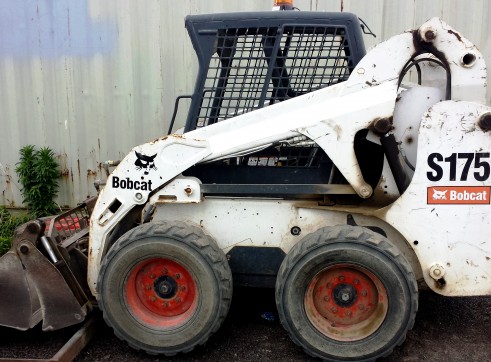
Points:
346	293
165	287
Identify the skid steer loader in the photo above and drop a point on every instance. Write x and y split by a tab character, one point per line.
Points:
304	165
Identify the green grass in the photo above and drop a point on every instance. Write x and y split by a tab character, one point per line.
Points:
8	223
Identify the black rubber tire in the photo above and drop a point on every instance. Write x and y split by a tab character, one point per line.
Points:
192	249
360	248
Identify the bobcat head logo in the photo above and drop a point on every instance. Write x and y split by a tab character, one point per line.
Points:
439	195
145	163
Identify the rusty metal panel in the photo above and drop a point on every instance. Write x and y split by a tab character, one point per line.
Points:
91	79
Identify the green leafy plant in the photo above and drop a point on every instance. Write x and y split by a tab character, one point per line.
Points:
38	174
25	169
8	223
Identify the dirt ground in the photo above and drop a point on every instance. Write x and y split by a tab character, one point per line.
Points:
446	329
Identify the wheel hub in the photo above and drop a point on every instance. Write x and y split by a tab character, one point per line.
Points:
165	287
344	295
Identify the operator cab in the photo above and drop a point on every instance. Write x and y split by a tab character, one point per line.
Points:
252	60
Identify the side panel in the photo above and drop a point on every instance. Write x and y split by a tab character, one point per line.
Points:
270	223
445	212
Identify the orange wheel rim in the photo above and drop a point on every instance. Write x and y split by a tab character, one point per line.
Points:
346	302
161	293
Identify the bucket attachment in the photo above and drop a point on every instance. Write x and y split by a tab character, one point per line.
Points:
42	277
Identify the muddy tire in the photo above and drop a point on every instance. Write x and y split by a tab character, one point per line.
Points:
165	288
346	293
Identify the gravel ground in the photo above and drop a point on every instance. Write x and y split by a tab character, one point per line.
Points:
446	329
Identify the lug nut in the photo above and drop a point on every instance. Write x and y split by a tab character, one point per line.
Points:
334	309
148	287
356	282
341	278
164	271
361	307
152	276
177	276
152	298
183	288
364	293
178	300
326	298
348	313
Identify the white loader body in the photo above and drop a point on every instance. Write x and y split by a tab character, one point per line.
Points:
449	235
395	192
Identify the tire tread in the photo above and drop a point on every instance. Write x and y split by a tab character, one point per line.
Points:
355	234
194	237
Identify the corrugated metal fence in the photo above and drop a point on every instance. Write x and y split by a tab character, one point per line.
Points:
91	79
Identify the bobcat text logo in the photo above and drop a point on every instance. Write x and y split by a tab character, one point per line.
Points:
127	184
145	163
458	195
